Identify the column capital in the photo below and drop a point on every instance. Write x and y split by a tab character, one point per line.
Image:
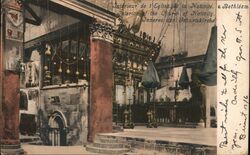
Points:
102	31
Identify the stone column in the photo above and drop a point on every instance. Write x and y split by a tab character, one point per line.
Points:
208	107
11	49
100	112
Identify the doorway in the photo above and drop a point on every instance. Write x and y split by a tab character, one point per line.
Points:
57	129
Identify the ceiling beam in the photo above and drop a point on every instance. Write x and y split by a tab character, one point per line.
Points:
187	61
88	9
36	19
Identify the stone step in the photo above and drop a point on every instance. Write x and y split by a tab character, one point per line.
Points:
34	140
110	145
108	139
27	139
37	142
117	128
109	151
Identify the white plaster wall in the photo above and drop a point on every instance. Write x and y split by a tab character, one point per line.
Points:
51	21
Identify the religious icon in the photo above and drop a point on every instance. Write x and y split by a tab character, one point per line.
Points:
12	55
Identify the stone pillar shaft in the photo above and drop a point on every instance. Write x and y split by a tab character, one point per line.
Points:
11	49
100	80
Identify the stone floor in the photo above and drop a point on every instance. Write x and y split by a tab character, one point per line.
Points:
55	150
75	150
201	136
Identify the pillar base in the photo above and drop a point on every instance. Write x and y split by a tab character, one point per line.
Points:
11	150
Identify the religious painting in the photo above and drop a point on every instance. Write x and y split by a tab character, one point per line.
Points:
14	39
14	25
13	55
31	71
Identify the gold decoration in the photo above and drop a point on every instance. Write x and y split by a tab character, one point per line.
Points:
47	75
60	70
84	75
134	65
77	73
129	63
48	50
68	71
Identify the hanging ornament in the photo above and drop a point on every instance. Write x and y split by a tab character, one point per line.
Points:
139	67
45	67
84	75
134	65
82	59
68	71
22	68
48	50
77	72
60	70
129	63
54	63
